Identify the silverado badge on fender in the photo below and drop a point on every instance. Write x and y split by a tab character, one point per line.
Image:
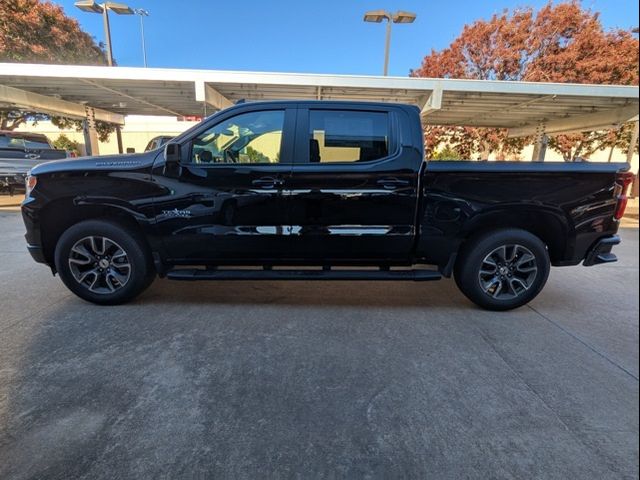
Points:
177	213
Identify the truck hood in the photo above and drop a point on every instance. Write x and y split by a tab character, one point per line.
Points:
133	161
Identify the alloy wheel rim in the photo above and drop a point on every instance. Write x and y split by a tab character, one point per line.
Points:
507	272
99	264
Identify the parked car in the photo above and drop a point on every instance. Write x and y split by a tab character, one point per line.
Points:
157	142
19	152
318	191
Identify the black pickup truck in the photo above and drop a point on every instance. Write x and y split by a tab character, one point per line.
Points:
317	191
19	152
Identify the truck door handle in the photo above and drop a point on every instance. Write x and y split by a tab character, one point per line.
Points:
267	182
207	200
392	183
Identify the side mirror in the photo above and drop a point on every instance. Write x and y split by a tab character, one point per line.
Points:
172	153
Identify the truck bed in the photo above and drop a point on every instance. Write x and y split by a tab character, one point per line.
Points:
569	204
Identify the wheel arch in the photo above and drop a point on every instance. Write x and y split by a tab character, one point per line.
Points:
61	214
548	225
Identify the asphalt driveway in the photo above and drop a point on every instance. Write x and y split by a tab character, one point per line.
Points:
318	380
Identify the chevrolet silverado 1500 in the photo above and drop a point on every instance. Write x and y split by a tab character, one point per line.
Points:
317	191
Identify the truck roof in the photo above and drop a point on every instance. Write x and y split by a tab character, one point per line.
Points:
337	103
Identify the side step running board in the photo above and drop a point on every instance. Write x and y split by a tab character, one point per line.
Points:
201	274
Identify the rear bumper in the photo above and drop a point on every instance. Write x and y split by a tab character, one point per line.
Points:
600	252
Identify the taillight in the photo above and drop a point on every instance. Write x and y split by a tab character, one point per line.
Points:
30	183
623	181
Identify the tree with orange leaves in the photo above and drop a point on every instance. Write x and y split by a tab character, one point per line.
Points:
40	32
559	43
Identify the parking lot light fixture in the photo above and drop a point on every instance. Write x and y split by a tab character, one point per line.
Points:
91	6
404	17
119	8
377	16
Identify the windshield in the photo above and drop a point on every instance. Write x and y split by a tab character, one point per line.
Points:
156	142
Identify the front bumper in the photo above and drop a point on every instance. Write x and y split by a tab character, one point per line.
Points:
36	253
30	217
600	252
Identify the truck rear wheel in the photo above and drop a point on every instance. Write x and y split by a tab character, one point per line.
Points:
503	269
103	262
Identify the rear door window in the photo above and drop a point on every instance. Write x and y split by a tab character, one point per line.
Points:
348	136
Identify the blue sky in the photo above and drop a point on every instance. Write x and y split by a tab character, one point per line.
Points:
326	36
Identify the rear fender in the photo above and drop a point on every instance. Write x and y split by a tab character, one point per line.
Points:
550	225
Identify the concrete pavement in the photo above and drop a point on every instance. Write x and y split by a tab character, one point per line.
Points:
318	379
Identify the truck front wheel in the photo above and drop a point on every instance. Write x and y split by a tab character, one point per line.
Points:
103	262
502	269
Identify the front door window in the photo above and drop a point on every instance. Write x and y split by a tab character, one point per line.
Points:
248	138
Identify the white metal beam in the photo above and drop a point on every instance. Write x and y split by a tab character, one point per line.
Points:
130	97
505	109
326	80
482	103
433	102
206	93
581	123
53	106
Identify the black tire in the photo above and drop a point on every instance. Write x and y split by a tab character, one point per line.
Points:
126	282
515	282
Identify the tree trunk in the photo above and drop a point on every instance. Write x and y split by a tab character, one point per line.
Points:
15	122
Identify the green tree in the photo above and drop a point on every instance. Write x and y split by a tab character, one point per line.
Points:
255	156
39	32
447	153
65	143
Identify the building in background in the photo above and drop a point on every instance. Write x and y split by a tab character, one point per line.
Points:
137	131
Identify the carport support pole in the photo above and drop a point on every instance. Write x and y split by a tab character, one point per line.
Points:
632	144
630	152
540	147
119	139
90	133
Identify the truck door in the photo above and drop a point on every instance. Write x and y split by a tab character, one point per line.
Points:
354	184
226	202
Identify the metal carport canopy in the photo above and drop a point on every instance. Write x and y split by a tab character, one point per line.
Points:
523	107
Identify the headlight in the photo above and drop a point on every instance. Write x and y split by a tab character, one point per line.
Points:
29	184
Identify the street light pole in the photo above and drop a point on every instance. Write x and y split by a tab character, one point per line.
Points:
142	13
107	35
378	16
387	43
